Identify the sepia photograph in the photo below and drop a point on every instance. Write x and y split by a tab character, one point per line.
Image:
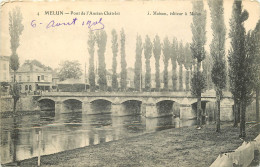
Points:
131	83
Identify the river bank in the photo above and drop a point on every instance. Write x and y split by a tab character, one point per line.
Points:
173	147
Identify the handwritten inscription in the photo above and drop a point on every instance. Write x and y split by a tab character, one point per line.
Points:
92	25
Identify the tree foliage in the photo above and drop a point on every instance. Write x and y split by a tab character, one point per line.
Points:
69	69
174	55
15	30
188	65
123	79
207	67
166	56
114	65
157	49
101	38
148	54
91	51
138	63
198	81
181	60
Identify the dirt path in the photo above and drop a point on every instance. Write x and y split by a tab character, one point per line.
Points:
172	147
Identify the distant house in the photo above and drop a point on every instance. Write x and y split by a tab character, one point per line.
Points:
4	69
73	85
33	78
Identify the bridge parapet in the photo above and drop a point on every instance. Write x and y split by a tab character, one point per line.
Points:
209	94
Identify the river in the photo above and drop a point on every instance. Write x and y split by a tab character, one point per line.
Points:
20	135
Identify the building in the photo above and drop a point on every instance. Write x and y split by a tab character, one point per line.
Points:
4	69
33	78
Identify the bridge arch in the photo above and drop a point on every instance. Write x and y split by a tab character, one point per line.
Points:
101	105
46	98
46	104
72	98
100	99
72	105
131	99
167	99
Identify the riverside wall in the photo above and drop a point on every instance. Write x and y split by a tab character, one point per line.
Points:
26	103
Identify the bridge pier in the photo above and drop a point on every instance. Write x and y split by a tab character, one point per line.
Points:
117	109
226	111
58	107
186	111
150	110
86	108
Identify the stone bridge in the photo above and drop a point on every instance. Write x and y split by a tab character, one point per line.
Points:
149	104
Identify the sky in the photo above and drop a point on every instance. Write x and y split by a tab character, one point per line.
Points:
53	45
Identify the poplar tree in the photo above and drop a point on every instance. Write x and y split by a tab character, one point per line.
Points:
114	65
123	74
239	64
173	55
217	51
91	51
15	30
157	48
147	54
181	60
138	63
256	54
166	56
101	38
188	66
198	52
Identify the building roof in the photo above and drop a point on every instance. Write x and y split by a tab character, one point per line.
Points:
28	67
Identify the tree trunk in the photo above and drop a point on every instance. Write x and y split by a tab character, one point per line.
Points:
218	109
199	120
243	119
14	138
235	113
157	78
180	78
187	80
238	112
257	105
174	76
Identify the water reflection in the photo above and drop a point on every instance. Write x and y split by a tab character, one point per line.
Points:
19	136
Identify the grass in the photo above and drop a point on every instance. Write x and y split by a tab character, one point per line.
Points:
173	147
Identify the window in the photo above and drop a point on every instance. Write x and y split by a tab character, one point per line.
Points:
30	87
38	78
12	79
5	76
28	78
26	87
4	66
42	77
20	78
